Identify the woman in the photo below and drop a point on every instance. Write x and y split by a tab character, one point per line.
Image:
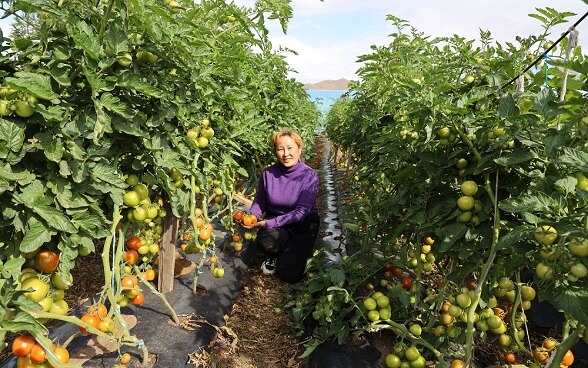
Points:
286	203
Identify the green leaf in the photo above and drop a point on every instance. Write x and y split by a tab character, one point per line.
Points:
37	235
133	82
33	83
566	185
451	234
337	277
507	106
23	177
538	202
90	223
106	173
516	157
54	218
84	37
571	301
12	137
575	158
512	237
60	73
115	105
12	268
51	146
127	126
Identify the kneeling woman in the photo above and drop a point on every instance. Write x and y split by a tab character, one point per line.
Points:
286	203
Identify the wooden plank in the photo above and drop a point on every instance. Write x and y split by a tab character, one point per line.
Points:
239	198
167	252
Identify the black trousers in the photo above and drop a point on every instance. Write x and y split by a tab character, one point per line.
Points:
292	244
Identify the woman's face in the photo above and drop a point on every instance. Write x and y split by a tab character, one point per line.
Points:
287	151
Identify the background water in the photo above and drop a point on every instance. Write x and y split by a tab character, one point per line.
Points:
324	98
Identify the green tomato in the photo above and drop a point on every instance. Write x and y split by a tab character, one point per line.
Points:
579	270
59	307
131	198
39	289
412	353
393	361
59	283
578	247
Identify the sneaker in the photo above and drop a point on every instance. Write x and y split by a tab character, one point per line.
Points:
268	266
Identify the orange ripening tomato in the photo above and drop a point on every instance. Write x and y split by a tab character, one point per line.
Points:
568	358
91	320
127	282
38	354
99	310
236	237
204	234
253	219
22	345
150	275
131	257
138	299
247	221
199	222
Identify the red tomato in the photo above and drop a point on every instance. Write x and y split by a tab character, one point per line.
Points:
134	243
406	282
46	261
397	271
22	345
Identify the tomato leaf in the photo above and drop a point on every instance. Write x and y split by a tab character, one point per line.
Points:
451	234
572	301
91	223
576	158
566	185
12	137
33	83
507	106
23	177
513	236
37	235
115	105
516	157
537	202
84	37
52	146
12	268
133	82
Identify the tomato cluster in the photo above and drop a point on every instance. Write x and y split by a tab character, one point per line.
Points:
31	353
44	285
404	355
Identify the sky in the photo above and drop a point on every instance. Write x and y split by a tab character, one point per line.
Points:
329	36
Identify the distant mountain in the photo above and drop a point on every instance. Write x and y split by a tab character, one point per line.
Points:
339	84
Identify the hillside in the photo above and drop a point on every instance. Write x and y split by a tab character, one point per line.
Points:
339	84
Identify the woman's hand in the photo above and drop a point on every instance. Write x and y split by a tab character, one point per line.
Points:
258	225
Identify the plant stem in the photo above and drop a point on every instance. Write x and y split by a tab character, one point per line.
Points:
469	352
160	295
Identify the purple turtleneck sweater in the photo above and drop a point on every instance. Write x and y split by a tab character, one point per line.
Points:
286	194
